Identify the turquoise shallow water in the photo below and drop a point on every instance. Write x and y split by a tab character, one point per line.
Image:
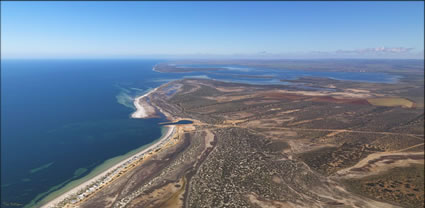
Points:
63	118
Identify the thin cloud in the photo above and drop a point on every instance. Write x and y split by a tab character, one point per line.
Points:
379	50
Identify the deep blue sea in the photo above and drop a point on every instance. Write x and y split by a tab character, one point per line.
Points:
62	118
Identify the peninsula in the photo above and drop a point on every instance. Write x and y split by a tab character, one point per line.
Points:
335	144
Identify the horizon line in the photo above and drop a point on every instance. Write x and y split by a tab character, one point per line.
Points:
208	58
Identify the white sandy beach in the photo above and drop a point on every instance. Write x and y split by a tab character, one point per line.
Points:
154	69
60	198
143	110
140	113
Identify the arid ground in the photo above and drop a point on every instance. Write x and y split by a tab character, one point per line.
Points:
358	145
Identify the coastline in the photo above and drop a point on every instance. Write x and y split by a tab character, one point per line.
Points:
142	110
136	155
154	69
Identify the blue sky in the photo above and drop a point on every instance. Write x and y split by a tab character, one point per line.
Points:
212	29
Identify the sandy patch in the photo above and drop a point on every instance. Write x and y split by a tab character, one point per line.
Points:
289	111
276	179
233	122
357	90
391	102
379	162
228	98
304	121
334	133
269	203
143	108
229	89
238	115
209	138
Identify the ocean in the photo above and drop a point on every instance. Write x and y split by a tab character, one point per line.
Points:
64	120
61	119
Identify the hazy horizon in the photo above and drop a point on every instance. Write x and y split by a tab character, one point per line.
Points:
213	30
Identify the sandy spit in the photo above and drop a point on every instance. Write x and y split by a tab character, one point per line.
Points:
143	109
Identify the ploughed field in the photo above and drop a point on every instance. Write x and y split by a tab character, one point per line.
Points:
279	146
